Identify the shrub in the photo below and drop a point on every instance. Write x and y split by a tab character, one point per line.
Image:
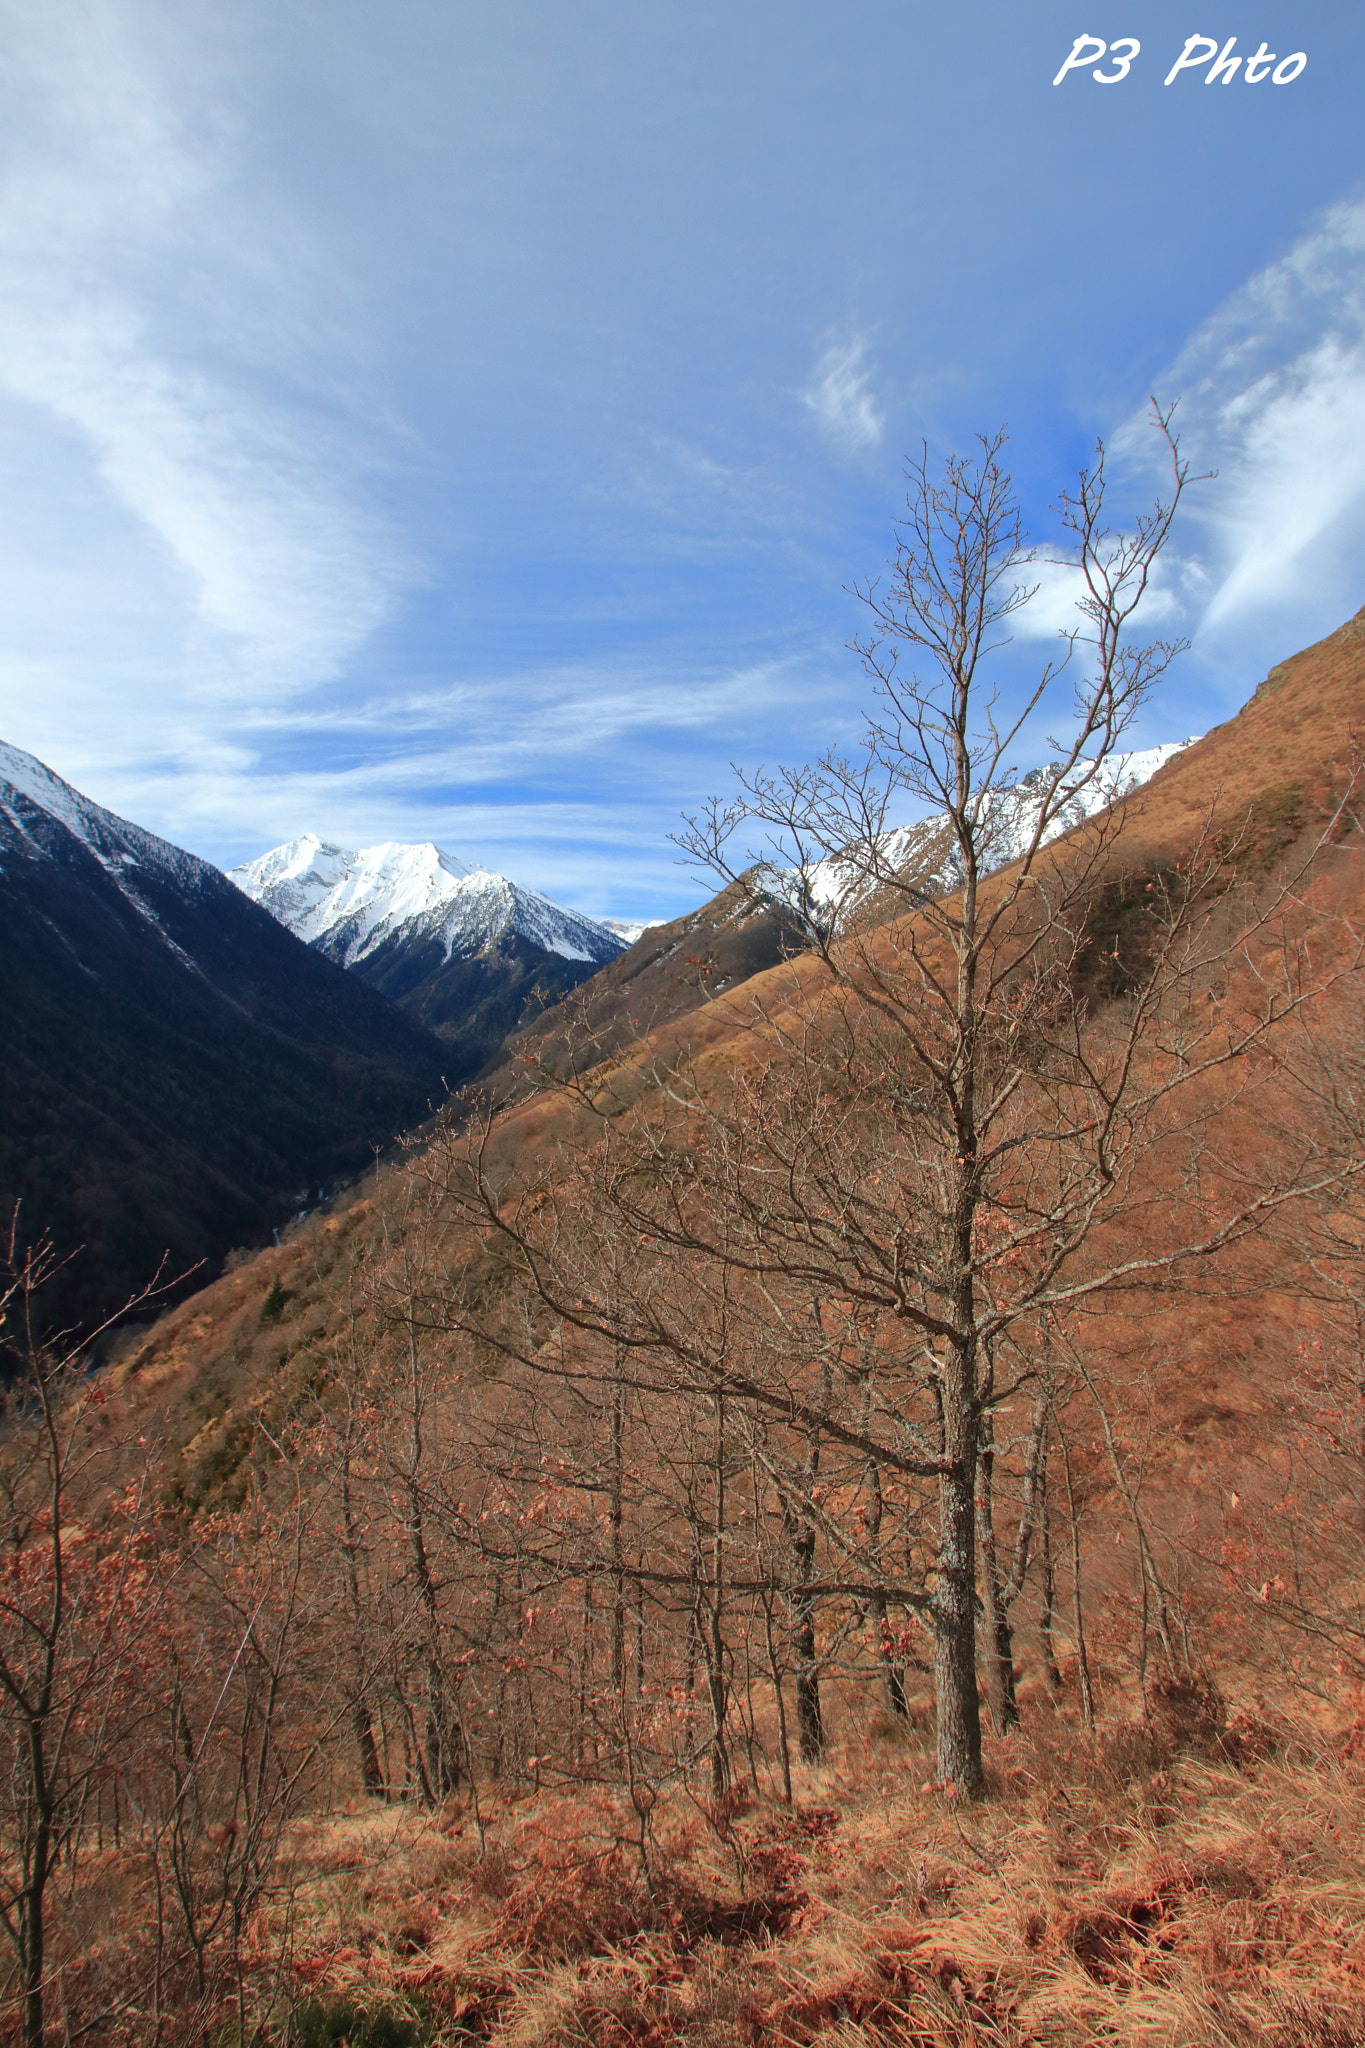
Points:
1189	1714
272	1308
342	2023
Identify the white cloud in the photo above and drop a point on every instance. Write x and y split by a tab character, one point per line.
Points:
1272	392
120	247
1271	396
841	399
1059	590
421	763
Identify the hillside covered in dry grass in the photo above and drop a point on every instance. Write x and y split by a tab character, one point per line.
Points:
505	1611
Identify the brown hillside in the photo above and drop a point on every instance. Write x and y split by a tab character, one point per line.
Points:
669	972
1275	762
692	989
589	1568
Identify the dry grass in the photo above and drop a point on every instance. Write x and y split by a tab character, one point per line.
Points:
1171	1887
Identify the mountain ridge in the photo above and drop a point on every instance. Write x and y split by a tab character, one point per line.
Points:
465	952
177	1068
351	903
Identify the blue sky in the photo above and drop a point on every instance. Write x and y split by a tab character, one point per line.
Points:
463	421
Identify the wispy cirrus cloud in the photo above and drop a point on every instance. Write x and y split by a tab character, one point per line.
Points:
1271	418
1272	397
120	248
445	758
840	396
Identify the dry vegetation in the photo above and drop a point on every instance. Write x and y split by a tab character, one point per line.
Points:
1194	1876
401	1694
848	1527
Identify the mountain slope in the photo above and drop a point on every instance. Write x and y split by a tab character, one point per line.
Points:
846	890
672	970
462	950
669	971
177	1068
1274	768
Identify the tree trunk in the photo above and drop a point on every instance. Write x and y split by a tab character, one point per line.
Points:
32	1930
952	1606
618	1573
810	1727
1077	1600
443	1743
997	1634
892	1673
362	1724
1051	1672
371	1776
779	1700
716	1690
953	1618
714	1638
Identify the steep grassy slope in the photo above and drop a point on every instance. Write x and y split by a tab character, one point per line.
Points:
1261	779
671	971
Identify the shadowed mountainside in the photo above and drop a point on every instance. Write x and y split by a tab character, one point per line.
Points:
671	971
472	1004
465	952
179	1071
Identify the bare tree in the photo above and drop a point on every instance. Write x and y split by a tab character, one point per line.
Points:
945	999
992	1103
955	1134
77	1582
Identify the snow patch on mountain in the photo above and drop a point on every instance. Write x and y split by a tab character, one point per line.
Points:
838	885
32	798
627	929
350	904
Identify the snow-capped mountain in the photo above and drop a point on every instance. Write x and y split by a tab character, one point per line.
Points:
464	951
838	887
176	1067
33	800
352	905
627	929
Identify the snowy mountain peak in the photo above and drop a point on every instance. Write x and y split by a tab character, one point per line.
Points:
840	885
352	904
33	800
627	929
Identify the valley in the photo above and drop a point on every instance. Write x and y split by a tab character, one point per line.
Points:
535	1559
462	951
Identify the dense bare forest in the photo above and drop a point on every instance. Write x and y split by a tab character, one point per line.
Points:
840	1519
